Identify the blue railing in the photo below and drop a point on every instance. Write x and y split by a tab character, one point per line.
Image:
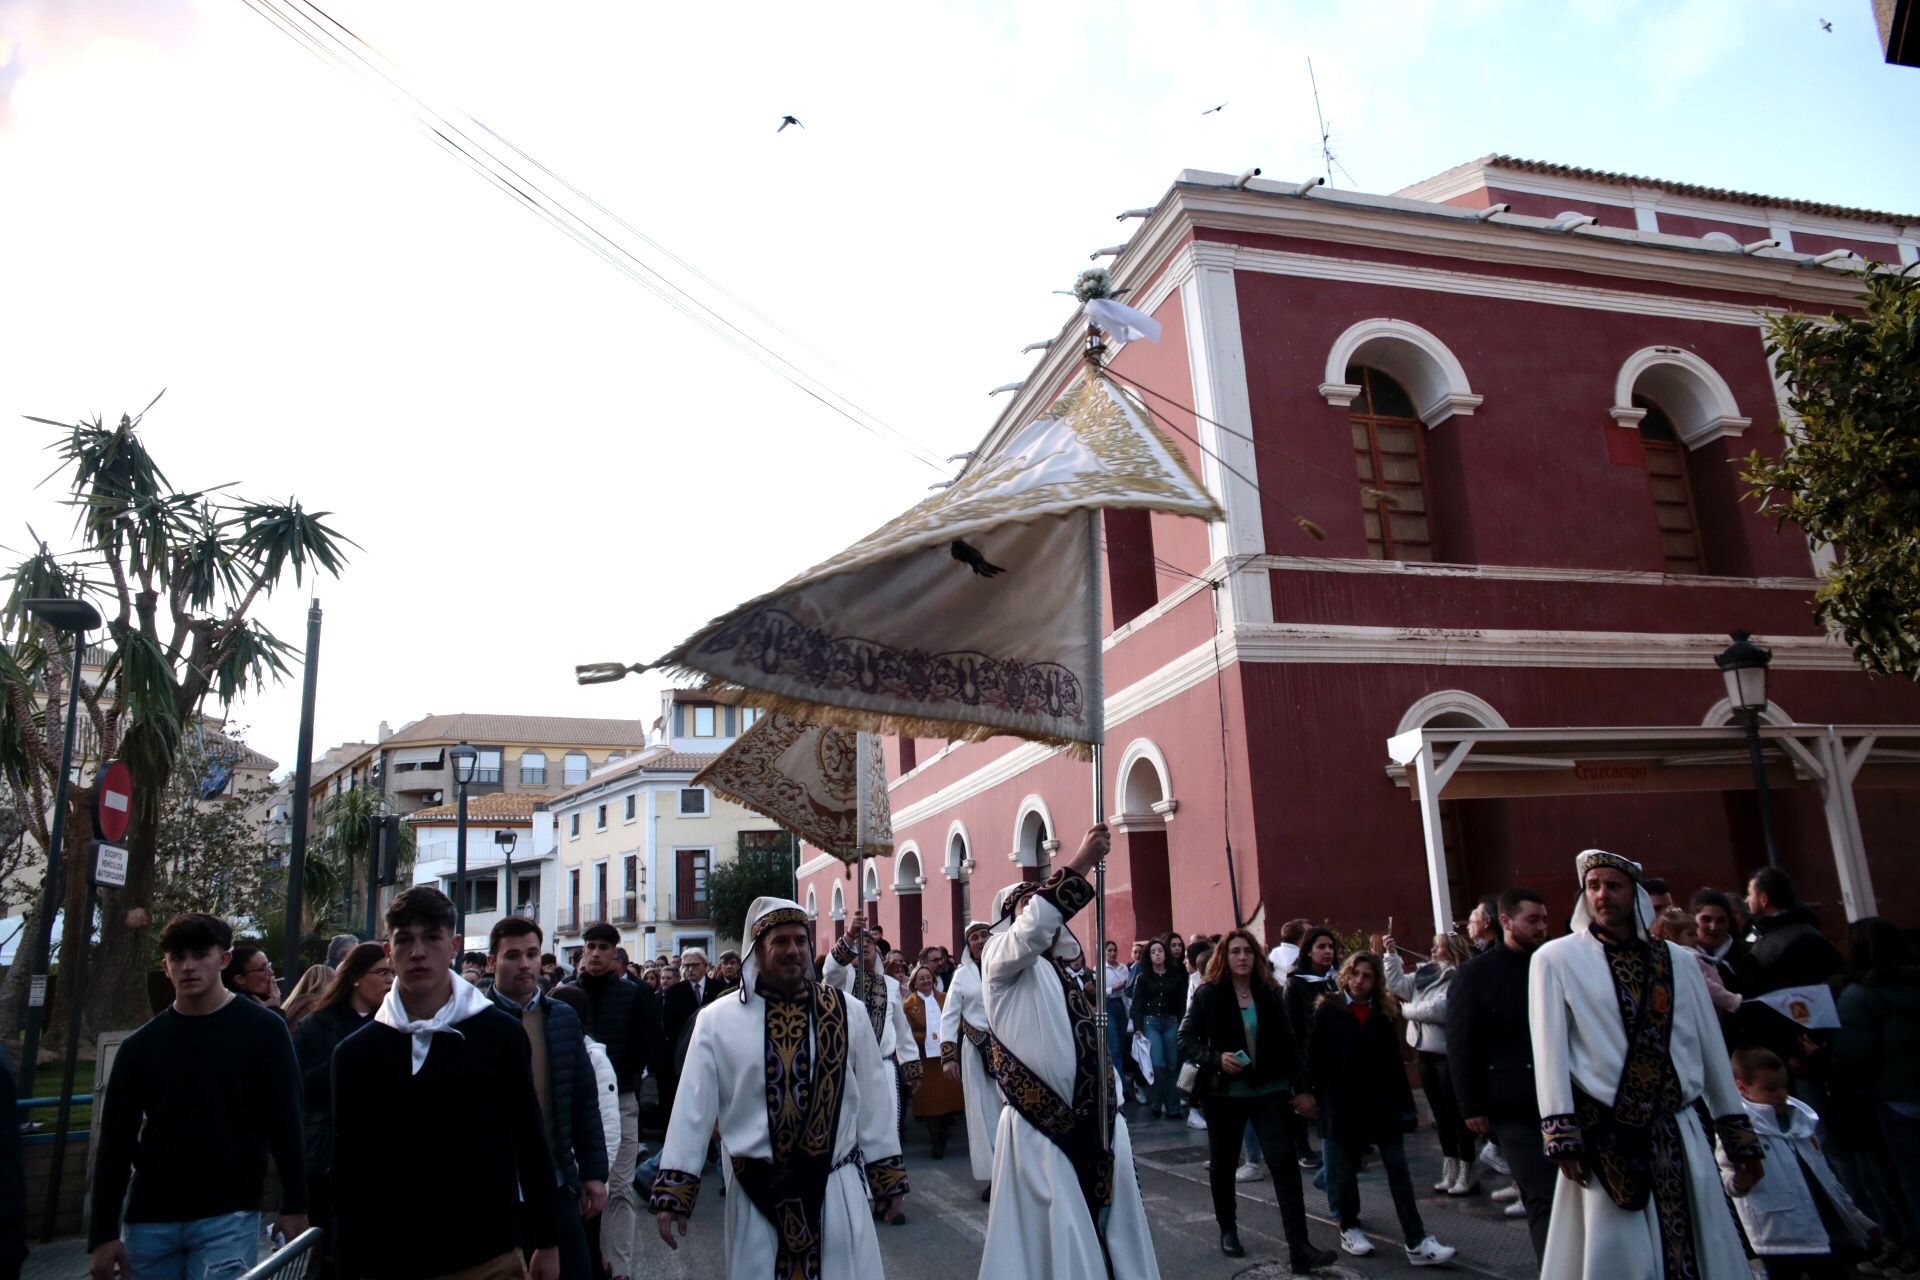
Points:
39	1139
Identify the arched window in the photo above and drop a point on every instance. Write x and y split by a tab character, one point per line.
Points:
839	902
1673	512
813	903
576	768
1392	460
872	884
906	871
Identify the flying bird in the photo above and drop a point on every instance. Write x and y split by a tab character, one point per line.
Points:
971	557
1210	110
1826	26
785	121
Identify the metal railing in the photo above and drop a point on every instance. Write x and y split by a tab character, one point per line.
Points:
569	921
297	1259
627	911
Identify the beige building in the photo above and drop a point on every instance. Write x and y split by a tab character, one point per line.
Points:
636	842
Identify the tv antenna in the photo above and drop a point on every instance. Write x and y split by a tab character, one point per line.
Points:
1328	161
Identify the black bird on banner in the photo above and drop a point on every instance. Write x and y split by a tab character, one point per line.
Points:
971	557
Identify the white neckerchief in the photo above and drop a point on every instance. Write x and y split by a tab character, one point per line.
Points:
465	1001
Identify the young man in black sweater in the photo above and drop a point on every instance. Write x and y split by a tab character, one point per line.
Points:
439	1074
197	1099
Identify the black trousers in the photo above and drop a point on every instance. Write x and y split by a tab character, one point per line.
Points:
1533	1173
577	1259
1456	1140
1227	1120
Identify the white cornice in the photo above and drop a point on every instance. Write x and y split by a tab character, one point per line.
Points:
1526	573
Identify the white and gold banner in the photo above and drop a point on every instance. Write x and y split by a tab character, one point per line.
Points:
826	785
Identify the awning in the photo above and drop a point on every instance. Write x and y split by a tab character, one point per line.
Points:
417	756
1464	764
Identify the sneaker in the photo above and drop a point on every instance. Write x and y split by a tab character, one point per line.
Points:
1139	1096
1468	1182
1195	1120
1249	1172
1311	1160
1430	1253
1490	1156
1449	1170
1355	1242
1515	1210
1506	1195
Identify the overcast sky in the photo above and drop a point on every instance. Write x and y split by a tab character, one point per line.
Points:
541	462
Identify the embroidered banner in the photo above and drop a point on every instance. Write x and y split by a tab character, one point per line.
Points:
978	611
826	785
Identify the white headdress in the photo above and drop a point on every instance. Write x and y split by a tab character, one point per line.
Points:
766	913
1006	908
1642	904
966	952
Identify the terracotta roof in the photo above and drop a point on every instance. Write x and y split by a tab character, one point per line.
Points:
1551	169
492	808
659	760
567	730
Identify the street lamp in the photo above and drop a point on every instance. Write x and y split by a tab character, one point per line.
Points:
506	840
464	758
1743	664
74	618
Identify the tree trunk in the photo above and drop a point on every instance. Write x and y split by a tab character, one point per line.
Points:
13	988
117	983
76	924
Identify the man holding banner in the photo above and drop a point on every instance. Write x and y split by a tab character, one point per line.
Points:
1067	1203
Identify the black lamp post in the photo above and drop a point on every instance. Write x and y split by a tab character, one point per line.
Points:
507	840
1743	664
74	618
463	758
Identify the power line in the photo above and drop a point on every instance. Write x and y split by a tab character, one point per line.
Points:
329	47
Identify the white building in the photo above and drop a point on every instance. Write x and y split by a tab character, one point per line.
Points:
535	891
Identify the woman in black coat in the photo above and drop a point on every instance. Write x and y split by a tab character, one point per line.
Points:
1312	977
1159	1001
1354	1064
358	986
1238	1032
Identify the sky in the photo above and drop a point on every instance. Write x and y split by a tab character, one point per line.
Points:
542	463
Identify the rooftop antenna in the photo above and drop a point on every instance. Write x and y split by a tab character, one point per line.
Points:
1328	161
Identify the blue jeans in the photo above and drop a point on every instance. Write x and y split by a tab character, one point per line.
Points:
222	1247
1164	1035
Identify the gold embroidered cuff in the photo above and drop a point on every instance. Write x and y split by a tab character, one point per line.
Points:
910	1073
1562	1138
1068	891
887	1177
1738	1138
950	1052
843	951
674	1191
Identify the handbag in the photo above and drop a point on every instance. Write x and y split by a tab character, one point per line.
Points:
1189	1076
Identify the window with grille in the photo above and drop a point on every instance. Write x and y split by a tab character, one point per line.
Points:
693	801
1390	450
1673	511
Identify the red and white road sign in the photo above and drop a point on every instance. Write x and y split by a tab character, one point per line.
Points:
113	800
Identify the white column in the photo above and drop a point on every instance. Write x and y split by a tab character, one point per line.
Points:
1850	856
1211	305
1427	795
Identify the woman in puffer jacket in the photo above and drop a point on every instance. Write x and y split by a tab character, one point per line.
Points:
1423	1003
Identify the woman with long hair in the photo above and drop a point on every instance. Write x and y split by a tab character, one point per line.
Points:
306	993
936	1099
1423	1002
352	994
1353	1060
1238	1033
1159	1001
1873	1114
1312	977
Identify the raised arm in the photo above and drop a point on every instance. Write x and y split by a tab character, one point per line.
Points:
1065	892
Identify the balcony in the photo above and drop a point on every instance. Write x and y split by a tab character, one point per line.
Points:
569	921
596	913
418	781
627	910
690	912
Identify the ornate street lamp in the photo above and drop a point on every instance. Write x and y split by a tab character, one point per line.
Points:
1743	664
463	758
507	840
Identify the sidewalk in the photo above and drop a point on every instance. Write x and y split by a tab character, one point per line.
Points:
60	1260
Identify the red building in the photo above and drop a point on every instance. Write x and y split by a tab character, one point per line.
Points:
1513	397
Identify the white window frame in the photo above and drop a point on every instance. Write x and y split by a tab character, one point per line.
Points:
706	803
631	808
573	825
713	720
600	817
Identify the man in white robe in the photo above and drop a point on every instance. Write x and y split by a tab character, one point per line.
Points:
1625	1042
880	997
963	1053
787	1073
1066	1202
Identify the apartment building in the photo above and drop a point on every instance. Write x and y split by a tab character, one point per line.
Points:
530	888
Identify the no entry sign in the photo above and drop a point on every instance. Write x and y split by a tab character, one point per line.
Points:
113	800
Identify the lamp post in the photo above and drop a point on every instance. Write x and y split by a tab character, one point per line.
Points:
74	618
463	758
1743	664
507	840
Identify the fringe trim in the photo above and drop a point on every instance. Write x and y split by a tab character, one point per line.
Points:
856	718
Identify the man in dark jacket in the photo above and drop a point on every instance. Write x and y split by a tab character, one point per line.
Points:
624	1016
562	1080
13	1181
1788	951
1490	1053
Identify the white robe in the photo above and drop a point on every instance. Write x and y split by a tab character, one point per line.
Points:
724	1085
965	999
1580	1039
1039	1227
896	1033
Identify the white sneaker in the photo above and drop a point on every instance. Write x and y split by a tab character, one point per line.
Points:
1449	1170
1430	1253
1516	1210
1249	1172
1355	1242
1195	1120
1506	1195
1490	1156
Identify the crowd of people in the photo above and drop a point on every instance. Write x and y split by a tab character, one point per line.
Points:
1671	1089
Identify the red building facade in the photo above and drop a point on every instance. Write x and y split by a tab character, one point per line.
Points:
1512	398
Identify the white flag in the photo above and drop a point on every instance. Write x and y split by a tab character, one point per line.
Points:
1811	1007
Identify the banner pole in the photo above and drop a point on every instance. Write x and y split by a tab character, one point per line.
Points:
1099	964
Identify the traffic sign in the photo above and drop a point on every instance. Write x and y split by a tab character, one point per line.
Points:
109	865
37	991
113	800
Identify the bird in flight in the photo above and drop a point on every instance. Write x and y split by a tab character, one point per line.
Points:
1826	26
785	121
1210	110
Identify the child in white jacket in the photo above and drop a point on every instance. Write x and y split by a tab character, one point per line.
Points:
1798	1218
